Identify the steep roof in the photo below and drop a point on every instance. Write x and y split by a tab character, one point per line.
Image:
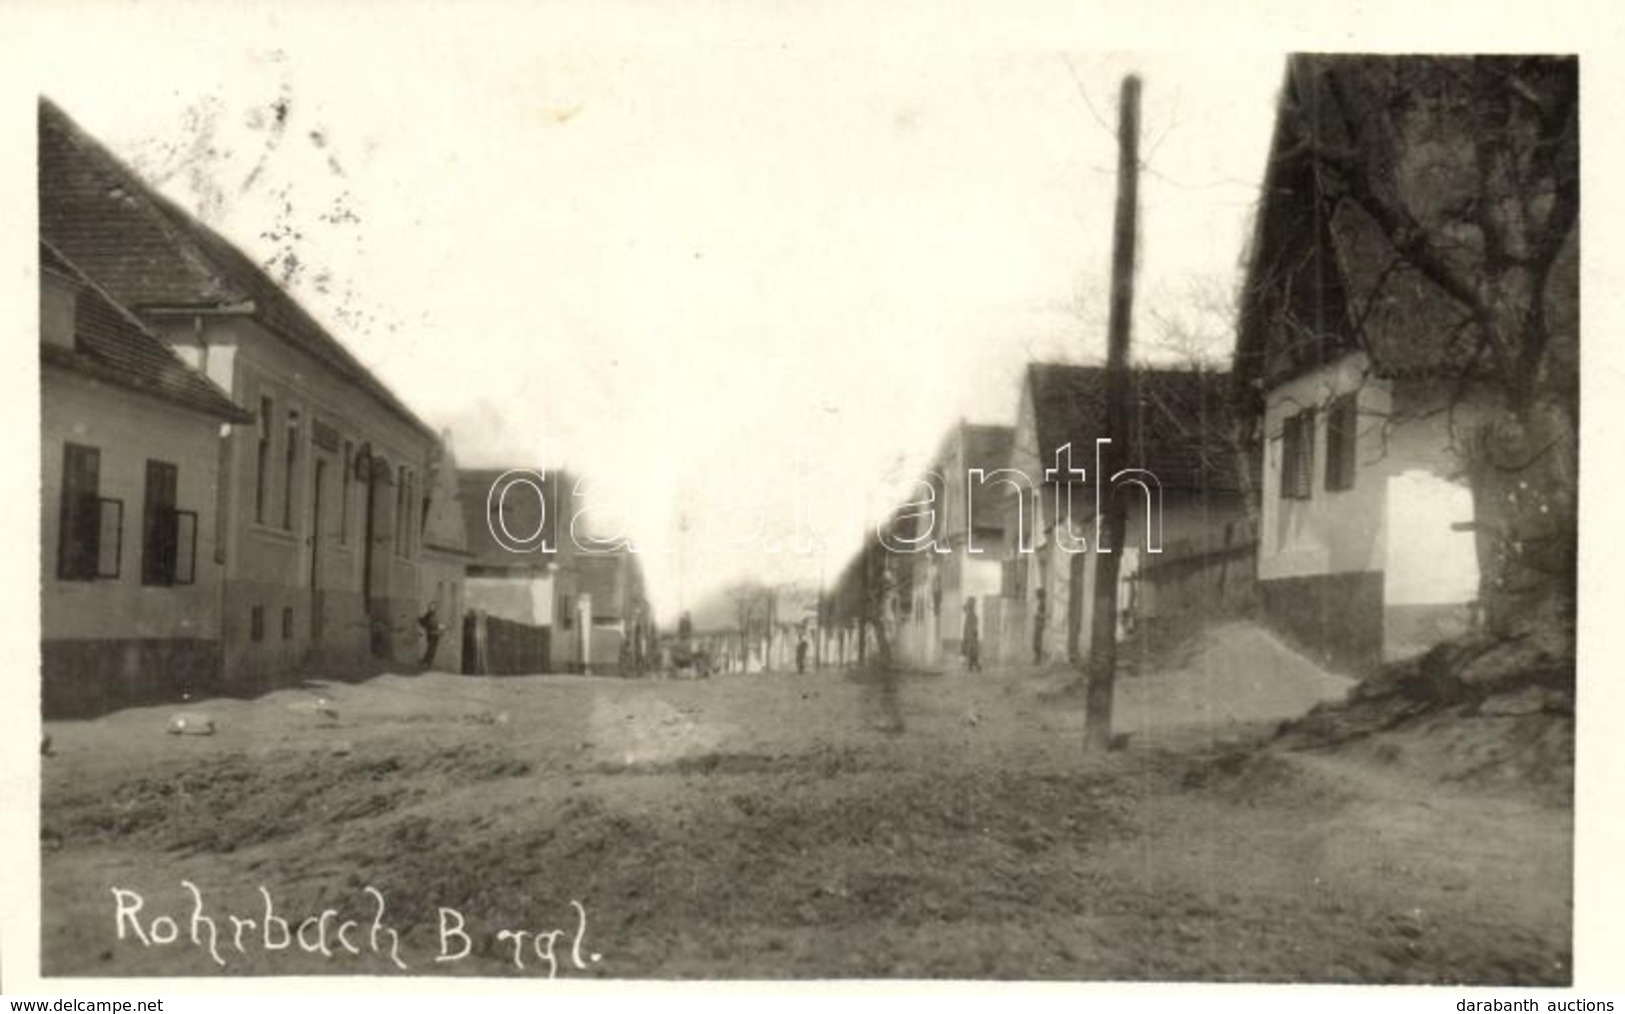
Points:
149	252
1322	277
445	526
111	345
1181	426
987	448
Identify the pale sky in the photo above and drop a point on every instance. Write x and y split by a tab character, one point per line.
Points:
678	270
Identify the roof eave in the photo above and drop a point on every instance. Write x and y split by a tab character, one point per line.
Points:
73	362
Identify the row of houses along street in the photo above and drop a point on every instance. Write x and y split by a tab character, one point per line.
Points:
280	615
1299	486
231	500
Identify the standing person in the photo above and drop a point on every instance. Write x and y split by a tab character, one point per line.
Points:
801	655
971	643
1040	617
430	622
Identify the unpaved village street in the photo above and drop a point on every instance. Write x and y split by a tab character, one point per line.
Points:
762	826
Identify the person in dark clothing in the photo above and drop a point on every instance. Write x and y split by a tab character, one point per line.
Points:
801	654
971	642
430	622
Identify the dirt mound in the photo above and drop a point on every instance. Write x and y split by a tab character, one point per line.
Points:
1483	748
237	801
1474	711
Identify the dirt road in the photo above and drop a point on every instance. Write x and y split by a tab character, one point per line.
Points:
761	827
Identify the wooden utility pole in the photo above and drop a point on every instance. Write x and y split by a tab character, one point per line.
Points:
1097	726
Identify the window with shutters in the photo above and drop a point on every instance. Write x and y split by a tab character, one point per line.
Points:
158	525
400	510
169	535
344	493
290	453
262	463
1298	456
185	547
91	540
109	537
1342	438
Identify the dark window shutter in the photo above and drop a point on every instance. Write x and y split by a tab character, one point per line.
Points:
78	550
159	537
1298	455
1341	439
185	547
109	536
262	460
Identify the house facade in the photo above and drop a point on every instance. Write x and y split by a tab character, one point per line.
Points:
511	533
962	551
129	473
1182	482
446	556
575	608
317	519
1354	373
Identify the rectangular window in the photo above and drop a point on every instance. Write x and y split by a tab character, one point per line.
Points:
78	557
159	535
262	463
414	516
290	454
344	493
423	519
287	623
1342	440
256	624
400	510
1298	455
109	536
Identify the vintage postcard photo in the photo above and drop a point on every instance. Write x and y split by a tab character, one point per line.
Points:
513	505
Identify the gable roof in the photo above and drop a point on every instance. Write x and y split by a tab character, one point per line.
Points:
1322	279
149	252
112	346
445	526
1181	426
522	512
988	448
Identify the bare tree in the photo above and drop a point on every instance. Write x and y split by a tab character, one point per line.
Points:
1462	175
749	600
1192	328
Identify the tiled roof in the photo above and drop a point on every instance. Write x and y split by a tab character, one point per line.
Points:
1322	279
149	252
1182	423
988	448
114	347
522	513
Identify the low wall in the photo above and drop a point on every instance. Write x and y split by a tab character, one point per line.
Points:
82	678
